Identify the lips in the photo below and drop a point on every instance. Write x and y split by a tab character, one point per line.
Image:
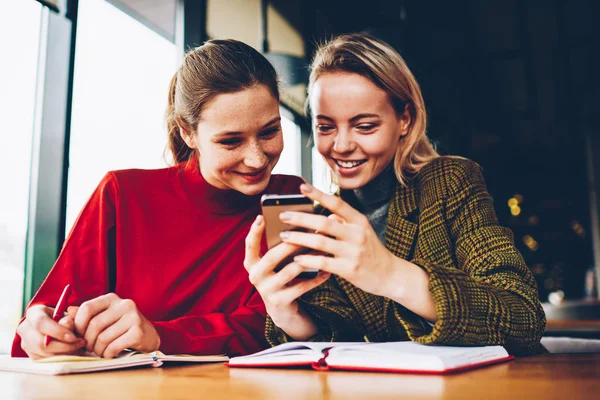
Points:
348	168
349	163
253	177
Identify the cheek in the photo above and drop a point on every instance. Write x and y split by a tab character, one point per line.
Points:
323	143
273	147
218	161
379	144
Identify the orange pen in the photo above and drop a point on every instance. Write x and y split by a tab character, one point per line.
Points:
59	311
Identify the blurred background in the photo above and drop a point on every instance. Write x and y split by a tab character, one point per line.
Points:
511	84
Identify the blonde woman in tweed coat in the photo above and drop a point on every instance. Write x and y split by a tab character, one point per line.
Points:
412	248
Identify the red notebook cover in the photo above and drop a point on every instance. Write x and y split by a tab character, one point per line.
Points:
467	357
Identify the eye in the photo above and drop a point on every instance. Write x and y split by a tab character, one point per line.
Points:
324	129
366	127
268	134
230	142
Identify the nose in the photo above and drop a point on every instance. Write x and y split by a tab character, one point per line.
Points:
343	142
255	157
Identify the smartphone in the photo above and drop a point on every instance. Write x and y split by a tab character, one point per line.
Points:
272	206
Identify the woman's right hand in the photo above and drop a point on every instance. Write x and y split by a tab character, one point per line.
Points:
37	324
277	290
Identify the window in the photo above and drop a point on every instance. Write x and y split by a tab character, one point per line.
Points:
321	174
290	161
19	41
122	75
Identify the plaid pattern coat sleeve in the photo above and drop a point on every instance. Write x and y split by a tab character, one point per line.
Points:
484	293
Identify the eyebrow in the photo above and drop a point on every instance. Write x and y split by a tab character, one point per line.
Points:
353	119
236	133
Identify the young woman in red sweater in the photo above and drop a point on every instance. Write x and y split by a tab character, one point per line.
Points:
155	259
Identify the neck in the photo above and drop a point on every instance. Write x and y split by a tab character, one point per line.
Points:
209	198
378	191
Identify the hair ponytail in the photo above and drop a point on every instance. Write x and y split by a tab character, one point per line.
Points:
177	146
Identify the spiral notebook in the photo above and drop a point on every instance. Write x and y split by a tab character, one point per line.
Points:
61	365
401	357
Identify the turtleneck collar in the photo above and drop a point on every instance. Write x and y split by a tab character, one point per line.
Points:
377	192
208	198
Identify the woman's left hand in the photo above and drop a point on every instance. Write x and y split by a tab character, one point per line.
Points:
357	254
111	324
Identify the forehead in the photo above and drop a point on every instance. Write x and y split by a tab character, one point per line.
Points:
240	111
343	95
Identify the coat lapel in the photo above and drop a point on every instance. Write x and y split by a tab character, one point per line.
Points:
400	236
402	221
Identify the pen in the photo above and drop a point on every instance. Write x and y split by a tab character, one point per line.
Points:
59	311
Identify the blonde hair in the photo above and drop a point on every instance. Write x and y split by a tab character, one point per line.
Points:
376	60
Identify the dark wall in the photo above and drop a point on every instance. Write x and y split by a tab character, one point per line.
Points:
510	84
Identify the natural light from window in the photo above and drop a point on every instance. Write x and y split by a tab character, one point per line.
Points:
19	43
122	77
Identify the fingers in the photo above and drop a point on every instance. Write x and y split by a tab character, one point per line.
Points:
280	301
334	204
99	324
280	282
68	322
128	340
31	340
56	347
39	319
91	308
336	218
72	311
33	343
270	261
286	275
109	335
316	241
332	265
253	240
319	223
297	290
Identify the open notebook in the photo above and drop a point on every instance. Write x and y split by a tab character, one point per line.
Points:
406	357
60	365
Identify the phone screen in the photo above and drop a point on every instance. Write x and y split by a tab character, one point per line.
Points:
272	206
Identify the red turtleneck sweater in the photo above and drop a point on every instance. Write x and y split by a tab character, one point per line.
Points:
174	245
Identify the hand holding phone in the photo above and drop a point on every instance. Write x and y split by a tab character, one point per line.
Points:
272	206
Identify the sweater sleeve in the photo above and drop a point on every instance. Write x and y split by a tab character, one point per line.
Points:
491	298
238	333
332	313
86	257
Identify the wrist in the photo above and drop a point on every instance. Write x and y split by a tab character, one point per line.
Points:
157	340
284	316
297	324
397	279
153	341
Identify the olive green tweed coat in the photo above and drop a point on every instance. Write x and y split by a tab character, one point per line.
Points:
484	294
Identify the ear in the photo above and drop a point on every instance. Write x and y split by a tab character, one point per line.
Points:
404	120
186	134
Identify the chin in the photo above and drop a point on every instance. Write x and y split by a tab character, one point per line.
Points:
351	183
253	189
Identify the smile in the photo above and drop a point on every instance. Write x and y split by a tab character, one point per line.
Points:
349	163
255	173
254	176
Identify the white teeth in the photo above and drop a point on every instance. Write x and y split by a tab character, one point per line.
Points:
348	164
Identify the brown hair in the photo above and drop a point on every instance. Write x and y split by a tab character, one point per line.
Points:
216	67
376	60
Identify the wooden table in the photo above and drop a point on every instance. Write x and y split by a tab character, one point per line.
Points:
589	329
540	377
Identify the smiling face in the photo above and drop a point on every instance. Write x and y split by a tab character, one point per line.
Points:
239	140
356	128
